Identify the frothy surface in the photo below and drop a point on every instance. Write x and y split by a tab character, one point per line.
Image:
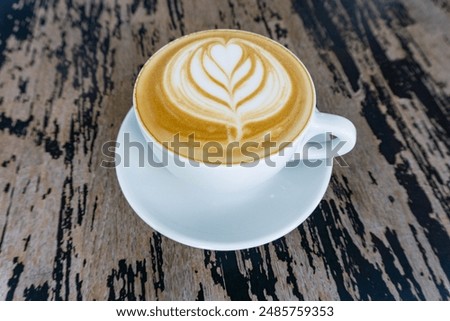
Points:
224	86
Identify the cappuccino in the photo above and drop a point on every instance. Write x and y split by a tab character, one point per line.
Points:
215	89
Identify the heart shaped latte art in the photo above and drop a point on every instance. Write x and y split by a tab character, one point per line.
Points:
232	82
226	57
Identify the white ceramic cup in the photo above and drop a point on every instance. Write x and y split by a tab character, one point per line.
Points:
236	177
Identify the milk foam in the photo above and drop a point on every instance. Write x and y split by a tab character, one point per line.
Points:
231	82
223	87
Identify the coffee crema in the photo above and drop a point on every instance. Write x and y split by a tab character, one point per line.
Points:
229	87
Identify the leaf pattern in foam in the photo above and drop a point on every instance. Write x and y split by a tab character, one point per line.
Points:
232	82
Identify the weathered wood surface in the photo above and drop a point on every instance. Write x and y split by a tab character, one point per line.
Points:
67	233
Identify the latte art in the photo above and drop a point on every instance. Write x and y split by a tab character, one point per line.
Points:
225	88
232	82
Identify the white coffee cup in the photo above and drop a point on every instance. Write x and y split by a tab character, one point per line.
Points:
236	177
239	176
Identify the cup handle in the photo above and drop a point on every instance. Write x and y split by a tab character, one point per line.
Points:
323	124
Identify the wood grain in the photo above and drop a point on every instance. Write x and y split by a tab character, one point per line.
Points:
381	232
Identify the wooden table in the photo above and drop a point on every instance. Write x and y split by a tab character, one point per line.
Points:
381	232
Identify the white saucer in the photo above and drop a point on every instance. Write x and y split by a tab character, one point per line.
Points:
216	221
